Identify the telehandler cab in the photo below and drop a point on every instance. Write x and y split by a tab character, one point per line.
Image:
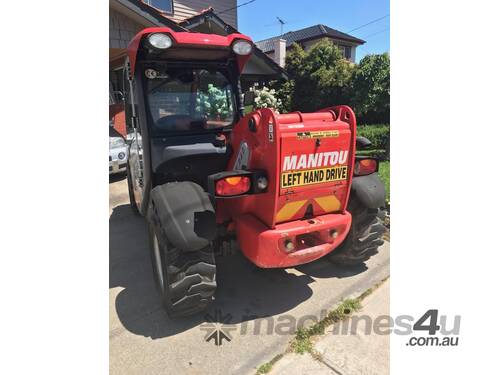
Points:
288	187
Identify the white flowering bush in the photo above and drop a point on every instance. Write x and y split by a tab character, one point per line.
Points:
266	98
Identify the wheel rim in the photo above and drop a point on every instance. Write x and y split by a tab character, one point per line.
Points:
137	191
158	264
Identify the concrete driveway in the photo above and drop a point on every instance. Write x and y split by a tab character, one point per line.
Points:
260	308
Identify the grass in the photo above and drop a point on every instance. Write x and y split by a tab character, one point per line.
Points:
302	342
266	367
384	173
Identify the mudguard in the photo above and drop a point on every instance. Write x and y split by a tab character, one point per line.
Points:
185	214
369	190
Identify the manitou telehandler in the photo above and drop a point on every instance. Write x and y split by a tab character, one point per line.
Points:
288	187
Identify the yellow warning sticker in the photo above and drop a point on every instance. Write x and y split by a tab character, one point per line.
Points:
318	134
313	176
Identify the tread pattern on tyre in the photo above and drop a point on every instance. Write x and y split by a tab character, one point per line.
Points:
190	276
363	239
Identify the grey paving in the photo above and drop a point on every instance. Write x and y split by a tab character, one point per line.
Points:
300	364
357	352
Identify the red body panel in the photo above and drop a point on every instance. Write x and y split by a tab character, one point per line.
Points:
265	247
308	158
187	39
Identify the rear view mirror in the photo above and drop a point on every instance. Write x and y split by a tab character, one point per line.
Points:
362	142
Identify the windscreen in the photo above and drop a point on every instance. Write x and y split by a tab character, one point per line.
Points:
189	99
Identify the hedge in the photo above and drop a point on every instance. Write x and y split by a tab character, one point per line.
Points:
377	134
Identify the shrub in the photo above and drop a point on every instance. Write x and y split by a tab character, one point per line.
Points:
318	78
284	91
266	98
377	134
370	88
321	77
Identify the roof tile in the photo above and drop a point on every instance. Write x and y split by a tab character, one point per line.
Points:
316	31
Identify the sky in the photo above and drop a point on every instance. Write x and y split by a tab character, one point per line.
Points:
258	19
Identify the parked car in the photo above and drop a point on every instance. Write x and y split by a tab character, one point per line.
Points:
118	152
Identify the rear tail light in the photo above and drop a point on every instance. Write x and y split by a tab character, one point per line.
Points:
365	166
234	185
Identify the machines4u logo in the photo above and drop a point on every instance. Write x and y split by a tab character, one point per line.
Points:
218	327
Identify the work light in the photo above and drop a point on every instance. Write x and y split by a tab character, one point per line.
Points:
160	41
262	183
242	47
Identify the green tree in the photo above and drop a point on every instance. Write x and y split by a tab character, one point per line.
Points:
294	60
318	78
294	63
370	88
322	77
284	92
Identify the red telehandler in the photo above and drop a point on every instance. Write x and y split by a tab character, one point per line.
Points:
288	187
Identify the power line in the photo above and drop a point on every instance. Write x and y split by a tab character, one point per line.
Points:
236	7
378	32
369	23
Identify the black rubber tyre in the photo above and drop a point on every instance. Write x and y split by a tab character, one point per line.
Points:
363	239
131	196
185	280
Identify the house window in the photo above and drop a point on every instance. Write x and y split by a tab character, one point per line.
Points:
346	50
164	5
